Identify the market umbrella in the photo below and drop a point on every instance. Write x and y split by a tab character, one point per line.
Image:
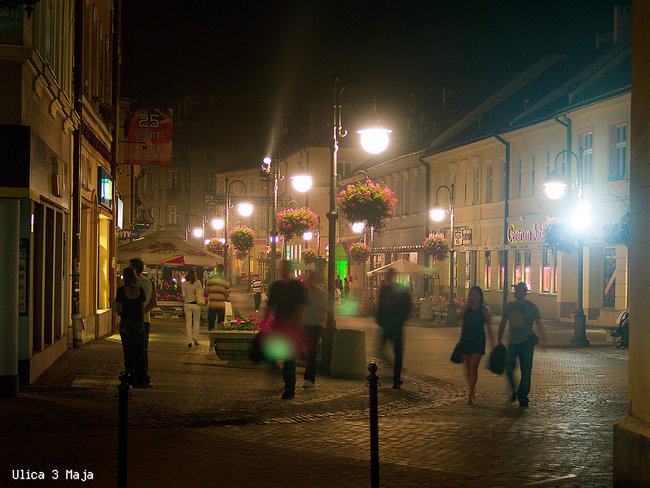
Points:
402	266
165	247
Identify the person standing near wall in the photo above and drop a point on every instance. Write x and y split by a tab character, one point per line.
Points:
150	295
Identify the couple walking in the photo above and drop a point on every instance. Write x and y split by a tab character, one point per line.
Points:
522	315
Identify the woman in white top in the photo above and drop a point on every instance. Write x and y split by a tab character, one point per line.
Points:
192	293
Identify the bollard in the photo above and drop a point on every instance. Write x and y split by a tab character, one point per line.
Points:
373	381
123	393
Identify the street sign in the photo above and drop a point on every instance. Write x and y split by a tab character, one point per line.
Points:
126	234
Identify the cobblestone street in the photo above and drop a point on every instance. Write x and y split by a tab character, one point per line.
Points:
205	423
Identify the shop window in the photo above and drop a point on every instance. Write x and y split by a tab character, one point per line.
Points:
609	288
527	260
502	268
549	261
173	179
103	263
488	270
518	275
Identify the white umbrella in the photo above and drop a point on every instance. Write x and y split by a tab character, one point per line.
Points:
165	247
402	266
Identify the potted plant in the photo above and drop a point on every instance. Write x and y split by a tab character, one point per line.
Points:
309	256
437	247
242	238
369	202
359	252
232	340
296	221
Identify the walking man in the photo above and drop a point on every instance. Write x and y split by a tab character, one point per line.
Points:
522	315
394	308
257	288
218	292
286	302
150	302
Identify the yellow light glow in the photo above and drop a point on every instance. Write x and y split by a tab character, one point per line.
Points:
374	140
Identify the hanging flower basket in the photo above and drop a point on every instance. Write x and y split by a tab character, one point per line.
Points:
294	222
437	247
309	256
241	255
359	252
214	247
242	238
369	202
557	236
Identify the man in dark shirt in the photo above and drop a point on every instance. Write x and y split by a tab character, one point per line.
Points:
286	302
393	309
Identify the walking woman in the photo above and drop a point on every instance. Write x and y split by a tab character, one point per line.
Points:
476	317
129	306
193	297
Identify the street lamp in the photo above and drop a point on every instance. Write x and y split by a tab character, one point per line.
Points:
437	213
301	183
332	215
244	209
581	219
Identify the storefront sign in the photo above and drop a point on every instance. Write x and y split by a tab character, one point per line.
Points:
149	138
11	20
519	235
105	188
126	234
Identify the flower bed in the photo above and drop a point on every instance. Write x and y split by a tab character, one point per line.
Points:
296	221
367	202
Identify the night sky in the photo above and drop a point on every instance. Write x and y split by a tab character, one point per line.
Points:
265	62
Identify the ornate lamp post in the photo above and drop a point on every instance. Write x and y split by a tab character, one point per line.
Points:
554	188
437	213
301	183
244	209
373	141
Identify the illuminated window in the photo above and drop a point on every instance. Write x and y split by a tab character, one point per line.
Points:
527	259
488	270
548	271
502	269
609	281
173	179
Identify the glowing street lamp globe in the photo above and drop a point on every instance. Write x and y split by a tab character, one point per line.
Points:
308	236
245	209
302	183
437	214
222	240
197	232
554	186
374	141
218	224
358	227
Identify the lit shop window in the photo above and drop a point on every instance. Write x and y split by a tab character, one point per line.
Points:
488	270
519	272
502	269
548	271
527	259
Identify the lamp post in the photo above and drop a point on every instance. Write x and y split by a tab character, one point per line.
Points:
437	213
555	189
373	141
301	183
244	209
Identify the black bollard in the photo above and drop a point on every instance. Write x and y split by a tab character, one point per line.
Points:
373	382
123	419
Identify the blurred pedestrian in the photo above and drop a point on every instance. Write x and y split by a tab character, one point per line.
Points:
393	308
286	301
257	288
129	306
150	302
476	318
346	288
218	293
314	320
522	315
192	290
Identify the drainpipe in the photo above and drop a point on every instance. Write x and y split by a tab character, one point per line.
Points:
77	323
506	210
427	207
115	102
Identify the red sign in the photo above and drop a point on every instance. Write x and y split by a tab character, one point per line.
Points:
149	137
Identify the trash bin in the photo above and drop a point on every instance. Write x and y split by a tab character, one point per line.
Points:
349	354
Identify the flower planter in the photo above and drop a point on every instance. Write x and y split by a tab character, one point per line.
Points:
232	345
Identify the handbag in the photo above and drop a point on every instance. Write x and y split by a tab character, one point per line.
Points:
455	355
200	299
497	360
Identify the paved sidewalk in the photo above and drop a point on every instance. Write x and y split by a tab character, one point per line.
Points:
207	424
